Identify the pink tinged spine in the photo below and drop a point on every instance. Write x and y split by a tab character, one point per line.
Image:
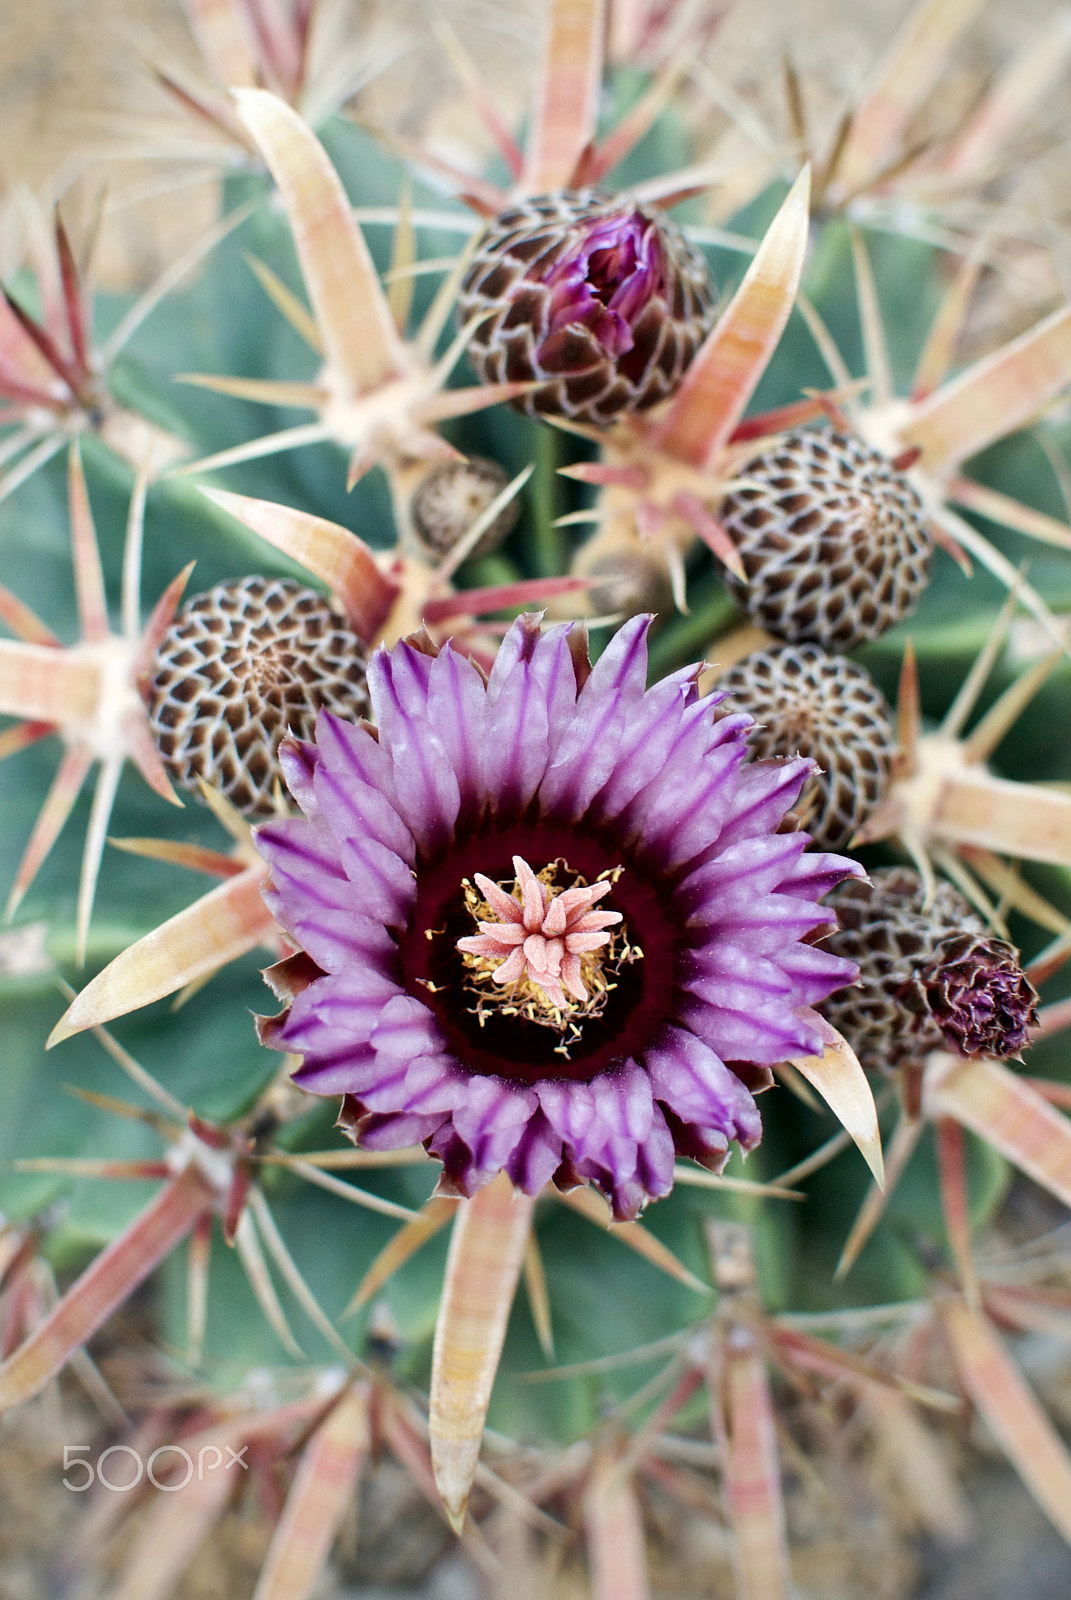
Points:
222	40
322	1490
487	1248
843	1085
910	70
1009	100
223	925
75	308
974	808
614	1528
111	1278
752	1475
64	791
21	621
477	602
178	1522
1011	1411
725	373
998	394
565	114
352	314
88	577
331	553
1007	1113
20	356
48	685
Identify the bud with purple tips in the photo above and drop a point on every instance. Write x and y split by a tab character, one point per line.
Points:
931	976
979	997
598	299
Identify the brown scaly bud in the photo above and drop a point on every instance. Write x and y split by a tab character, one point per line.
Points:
241	666
978	995
599	300
930	977
831	537
808	703
452	496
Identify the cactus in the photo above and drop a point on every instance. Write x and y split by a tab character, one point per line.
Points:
542	914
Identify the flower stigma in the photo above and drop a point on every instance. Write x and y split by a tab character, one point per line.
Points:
543	953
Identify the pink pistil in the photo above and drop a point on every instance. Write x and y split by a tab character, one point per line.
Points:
542	935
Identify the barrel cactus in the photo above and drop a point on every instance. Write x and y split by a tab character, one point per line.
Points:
604	662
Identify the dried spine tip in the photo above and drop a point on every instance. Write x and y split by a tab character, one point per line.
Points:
241	666
452	496
599	300
930	977
808	703
831	537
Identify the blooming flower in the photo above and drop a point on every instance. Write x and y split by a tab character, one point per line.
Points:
459	986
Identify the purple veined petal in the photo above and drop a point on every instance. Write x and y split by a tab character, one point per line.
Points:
770	924
337	1010
743	872
422	1086
352	754
568	1107
429	796
630	1172
462	1175
683	828
343	1072
697	1086
816	873
521	700
334	937
766	790
394	1132
383	882
621	671
726	974
492	1103
490	1122
586	749
406	1028
305	850
408	671
298	762
421	783
353	809
624	1102
536	1157
655	1158
708	1146
647	737
815	972
457	707
764	1037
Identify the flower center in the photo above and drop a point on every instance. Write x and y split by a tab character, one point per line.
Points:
543	951
535	1014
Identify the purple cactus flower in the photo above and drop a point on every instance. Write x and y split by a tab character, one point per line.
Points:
548	923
